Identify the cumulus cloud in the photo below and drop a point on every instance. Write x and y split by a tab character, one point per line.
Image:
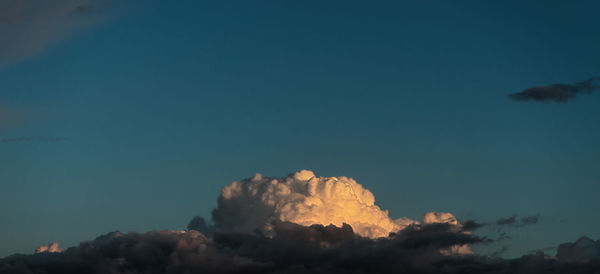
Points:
28	27
559	93
306	199
51	248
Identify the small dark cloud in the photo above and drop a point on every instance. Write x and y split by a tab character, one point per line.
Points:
28	27
471	225
559	93
530	220
507	221
514	221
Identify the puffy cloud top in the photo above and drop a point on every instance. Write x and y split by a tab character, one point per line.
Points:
306	199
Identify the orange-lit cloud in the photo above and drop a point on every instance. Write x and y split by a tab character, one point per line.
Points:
50	248
305	199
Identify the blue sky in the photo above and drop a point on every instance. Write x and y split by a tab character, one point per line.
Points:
163	104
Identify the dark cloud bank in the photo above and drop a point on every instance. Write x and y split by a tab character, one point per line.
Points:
559	93
296	249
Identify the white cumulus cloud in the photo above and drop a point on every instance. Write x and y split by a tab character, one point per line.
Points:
306	199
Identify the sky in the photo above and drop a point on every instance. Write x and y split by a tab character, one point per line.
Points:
133	116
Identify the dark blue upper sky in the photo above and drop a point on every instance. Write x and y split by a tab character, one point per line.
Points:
162	104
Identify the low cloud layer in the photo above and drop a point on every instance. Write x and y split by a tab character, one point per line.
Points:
28	27
292	249
559	93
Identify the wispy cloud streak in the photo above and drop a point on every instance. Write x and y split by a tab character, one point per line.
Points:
28	27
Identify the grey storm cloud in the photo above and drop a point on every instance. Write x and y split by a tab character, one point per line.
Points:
559	93
28	27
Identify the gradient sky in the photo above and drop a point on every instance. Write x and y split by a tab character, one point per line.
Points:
161	104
